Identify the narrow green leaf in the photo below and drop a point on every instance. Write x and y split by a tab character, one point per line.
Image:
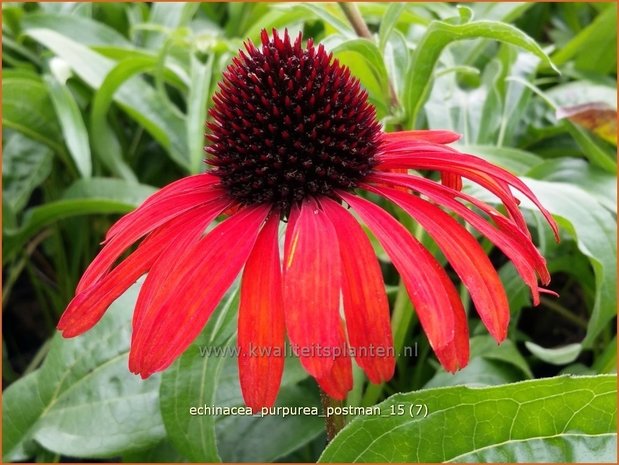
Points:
594	48
201	74
504	423
98	196
72	124
80	29
388	23
556	356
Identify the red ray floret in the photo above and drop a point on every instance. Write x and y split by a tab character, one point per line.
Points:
312	276
363	291
196	284
261	327
426	282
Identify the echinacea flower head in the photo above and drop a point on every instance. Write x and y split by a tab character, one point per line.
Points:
293	142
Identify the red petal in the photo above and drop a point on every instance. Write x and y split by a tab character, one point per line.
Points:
187	296
87	307
486	174
465	256
508	238
142	221
339	380
261	329
312	279
158	278
199	183
439	137
421	273
365	301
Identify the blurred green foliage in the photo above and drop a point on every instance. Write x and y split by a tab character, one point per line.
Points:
102	103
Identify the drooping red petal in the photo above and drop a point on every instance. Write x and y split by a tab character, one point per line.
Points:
421	273
181	306
142	221
312	278
88	306
465	256
508	238
363	291
455	355
486	174
438	137
158	281
261	328
339	380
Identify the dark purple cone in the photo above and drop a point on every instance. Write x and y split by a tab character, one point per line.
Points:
289	122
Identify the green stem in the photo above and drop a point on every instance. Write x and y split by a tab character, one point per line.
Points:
334	421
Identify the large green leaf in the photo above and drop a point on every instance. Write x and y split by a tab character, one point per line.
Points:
83	401
136	96
600	184
25	165
595	231
559	419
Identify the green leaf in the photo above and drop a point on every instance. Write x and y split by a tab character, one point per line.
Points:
388	23
201	74
368	51
27	108
440	34
86	196
130	194
556	356
25	165
73	127
503	423
138	98
83	401
594	48
599	183
595	231
78	28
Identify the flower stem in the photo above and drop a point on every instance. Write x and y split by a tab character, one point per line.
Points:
351	10
334	421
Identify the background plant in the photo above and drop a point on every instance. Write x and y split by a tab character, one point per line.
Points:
103	103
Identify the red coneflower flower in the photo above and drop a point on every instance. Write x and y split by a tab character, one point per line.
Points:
292	138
